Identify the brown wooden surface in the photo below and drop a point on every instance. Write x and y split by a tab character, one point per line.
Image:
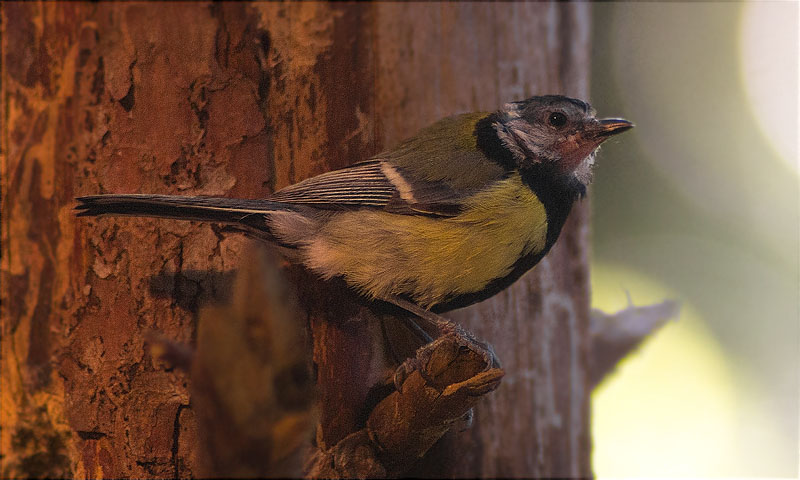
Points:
240	100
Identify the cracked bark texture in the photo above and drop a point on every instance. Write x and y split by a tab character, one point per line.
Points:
240	100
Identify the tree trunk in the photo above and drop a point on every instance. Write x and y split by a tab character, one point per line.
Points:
240	100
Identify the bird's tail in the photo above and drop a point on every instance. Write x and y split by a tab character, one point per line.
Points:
251	214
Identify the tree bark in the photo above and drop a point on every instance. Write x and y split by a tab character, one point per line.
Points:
240	100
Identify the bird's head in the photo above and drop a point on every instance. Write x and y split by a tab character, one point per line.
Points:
559	132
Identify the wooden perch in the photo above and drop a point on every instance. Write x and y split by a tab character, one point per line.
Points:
402	427
615	335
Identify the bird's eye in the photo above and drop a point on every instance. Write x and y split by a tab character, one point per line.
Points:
557	119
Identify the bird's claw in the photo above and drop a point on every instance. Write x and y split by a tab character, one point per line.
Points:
434	359
403	371
468	340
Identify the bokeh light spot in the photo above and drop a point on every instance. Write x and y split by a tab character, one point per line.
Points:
769	62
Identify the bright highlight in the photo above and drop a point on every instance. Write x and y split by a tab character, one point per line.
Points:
769	62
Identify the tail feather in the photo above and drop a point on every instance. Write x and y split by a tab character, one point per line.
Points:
248	213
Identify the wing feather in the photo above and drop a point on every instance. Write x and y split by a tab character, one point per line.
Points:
373	184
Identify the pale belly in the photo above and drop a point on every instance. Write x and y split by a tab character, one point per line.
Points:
431	259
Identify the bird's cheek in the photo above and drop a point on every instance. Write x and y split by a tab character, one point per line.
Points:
572	150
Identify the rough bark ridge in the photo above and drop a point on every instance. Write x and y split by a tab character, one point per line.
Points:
240	100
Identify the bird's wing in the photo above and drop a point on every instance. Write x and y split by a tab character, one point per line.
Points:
374	184
431	173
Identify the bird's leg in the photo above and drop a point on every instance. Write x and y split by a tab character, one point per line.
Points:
438	322
443	327
416	329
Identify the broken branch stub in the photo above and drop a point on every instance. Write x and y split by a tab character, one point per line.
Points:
450	379
616	335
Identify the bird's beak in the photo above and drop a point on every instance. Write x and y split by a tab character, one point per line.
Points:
611	126
575	148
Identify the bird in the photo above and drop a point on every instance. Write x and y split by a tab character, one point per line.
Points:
449	217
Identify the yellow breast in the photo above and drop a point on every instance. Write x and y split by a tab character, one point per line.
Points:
432	259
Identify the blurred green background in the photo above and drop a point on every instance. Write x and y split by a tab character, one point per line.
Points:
700	203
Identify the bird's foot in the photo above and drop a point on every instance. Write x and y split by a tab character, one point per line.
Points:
434	359
438	354
468	340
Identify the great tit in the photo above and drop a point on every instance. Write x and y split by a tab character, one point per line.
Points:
448	218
